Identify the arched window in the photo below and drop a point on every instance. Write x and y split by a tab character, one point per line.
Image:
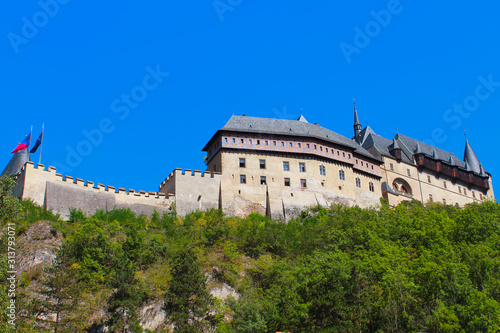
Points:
371	186
402	187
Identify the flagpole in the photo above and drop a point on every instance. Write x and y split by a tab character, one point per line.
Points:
29	144
41	146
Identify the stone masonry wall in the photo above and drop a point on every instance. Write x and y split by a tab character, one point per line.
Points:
60	193
193	190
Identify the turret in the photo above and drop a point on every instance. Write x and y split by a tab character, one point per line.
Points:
357	125
471	159
394	148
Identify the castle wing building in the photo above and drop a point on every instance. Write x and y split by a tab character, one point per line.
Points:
280	167
413	169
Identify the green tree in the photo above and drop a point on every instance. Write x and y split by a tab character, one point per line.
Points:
60	292
187	300
10	208
123	302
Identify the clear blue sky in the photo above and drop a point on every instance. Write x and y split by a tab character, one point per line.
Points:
72	64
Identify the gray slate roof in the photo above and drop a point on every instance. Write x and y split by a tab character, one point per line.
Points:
16	163
364	134
471	158
292	128
410	146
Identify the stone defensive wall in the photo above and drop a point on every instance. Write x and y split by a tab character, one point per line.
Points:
193	190
54	191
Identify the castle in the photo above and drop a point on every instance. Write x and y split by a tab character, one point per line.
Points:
278	168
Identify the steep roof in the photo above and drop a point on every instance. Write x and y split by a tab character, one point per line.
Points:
302	119
471	158
291	128
16	163
364	134
411	146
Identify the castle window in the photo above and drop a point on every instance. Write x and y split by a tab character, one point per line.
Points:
358	182
391	166
473	194
322	170
243	179
408	172
258	142
262	180
372	167
356	161
308	146
371	187
291	144
315	147
444	201
320	148
430	198
459	190
465	191
348	155
266	142
341	175
429	179
286	166
361	163
250	141
287	181
302	167
282	144
303	183
242	163
242	141
299	145
338	153
326	149
262	164
445	185
225	140
234	140
343	154
274	143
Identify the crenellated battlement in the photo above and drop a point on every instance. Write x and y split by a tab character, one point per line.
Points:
193	189
50	173
188	172
60	192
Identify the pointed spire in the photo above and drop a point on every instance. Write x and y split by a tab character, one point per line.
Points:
395	144
16	163
302	118
471	158
357	125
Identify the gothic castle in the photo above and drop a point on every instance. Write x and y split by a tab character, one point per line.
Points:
278	168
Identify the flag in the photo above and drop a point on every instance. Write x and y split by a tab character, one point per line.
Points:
37	143
23	145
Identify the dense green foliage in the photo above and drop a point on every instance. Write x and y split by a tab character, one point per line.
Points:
187	300
412	268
